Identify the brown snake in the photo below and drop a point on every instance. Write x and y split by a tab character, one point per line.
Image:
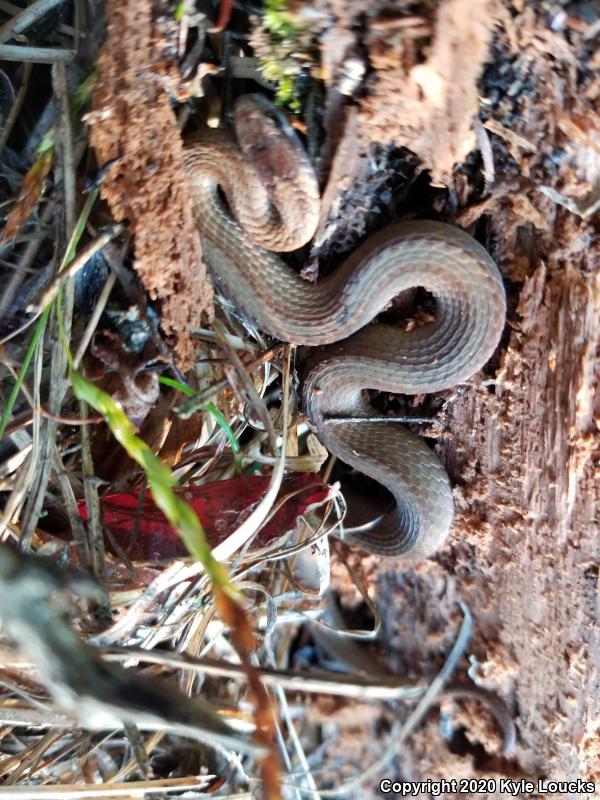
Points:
275	199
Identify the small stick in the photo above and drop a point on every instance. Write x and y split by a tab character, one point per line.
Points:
319	682
16	106
69	420
94	319
78	263
27	17
39	55
27	260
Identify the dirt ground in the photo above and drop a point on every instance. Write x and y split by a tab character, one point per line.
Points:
522	441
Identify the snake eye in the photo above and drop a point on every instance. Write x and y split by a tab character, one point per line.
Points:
272	115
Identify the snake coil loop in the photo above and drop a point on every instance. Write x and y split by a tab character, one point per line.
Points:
275	206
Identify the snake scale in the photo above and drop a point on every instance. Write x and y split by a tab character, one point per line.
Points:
272	204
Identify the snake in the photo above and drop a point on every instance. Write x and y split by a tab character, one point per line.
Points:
255	195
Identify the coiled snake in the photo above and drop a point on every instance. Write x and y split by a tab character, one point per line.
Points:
273	200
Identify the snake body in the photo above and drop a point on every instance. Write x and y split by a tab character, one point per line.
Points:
273	204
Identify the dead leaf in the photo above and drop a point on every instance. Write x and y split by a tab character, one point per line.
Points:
29	194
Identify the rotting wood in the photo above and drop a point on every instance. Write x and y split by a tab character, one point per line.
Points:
133	126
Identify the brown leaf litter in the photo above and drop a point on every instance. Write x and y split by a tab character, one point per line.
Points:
134	130
28	196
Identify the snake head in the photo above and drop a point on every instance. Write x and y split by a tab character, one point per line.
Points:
268	140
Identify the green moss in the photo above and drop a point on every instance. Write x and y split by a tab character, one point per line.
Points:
284	53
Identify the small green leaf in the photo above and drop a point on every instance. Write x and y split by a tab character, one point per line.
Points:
211	407
180	387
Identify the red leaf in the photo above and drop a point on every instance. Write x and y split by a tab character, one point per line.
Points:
221	507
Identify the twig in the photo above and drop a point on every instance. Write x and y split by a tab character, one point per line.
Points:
90	488
27	17
514	139
74	267
16	107
174	574
38	55
37	441
235	341
131	766
9	265
133	789
69	420
16	497
14	373
239	369
58	381
10	8
28	762
313	682
24	420
225	9
34	716
94	319
77	526
584	209
61	89
92	502
18	275
295	739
